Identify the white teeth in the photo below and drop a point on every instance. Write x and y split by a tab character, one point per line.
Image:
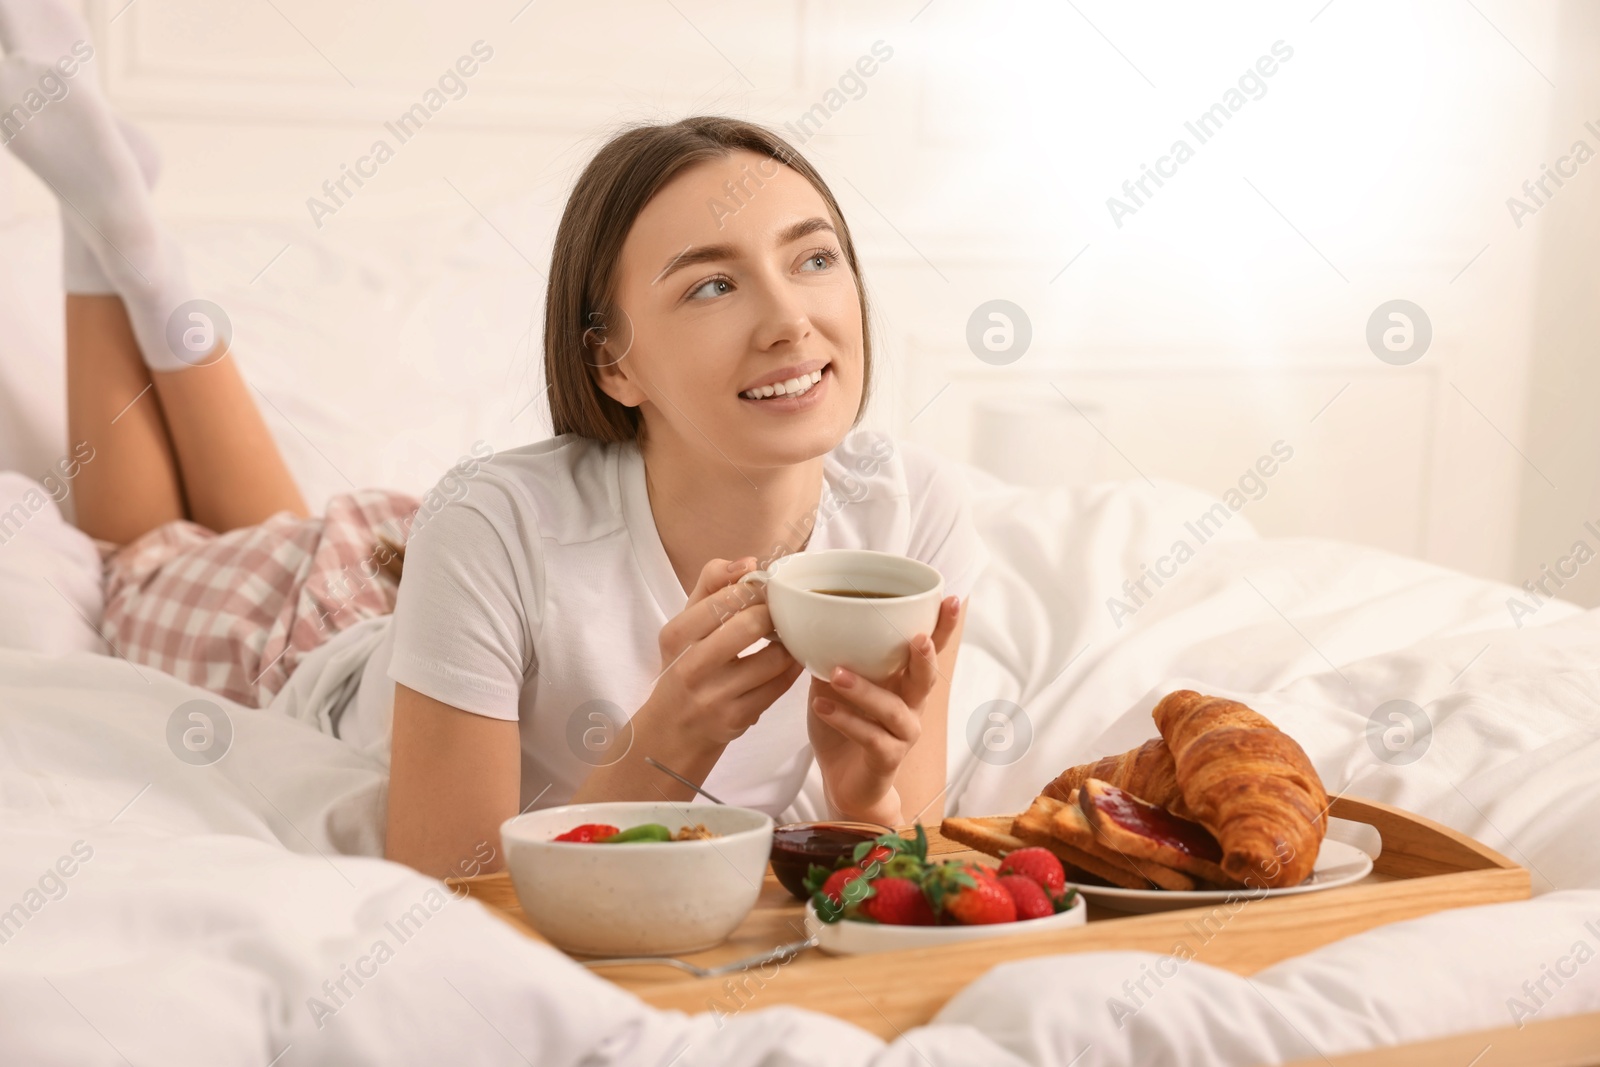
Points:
791	387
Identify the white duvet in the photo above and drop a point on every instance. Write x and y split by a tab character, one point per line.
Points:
155	911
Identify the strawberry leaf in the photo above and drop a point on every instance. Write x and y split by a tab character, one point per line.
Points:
827	910
891	841
816	875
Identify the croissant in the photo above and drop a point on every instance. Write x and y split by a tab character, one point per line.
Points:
1247	782
1148	772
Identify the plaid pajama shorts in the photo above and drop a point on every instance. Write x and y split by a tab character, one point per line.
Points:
236	612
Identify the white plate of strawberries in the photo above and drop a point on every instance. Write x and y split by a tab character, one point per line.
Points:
892	897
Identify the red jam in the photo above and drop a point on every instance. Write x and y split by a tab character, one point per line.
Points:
795	848
1157	823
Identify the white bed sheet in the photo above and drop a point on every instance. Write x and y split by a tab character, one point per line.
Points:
218	899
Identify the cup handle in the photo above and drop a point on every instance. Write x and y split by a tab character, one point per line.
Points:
763	577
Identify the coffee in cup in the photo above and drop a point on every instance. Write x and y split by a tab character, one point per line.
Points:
851	607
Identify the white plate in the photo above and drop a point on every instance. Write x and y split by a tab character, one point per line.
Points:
1337	864
849	938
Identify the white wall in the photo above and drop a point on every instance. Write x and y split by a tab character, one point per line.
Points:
1222	316
1563	435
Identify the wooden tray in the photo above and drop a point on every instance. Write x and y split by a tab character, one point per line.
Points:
1423	867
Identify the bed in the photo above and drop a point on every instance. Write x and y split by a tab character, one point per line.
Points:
209	904
157	910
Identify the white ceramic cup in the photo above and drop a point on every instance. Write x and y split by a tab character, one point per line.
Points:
868	635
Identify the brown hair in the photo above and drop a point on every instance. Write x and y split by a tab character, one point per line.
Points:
621	178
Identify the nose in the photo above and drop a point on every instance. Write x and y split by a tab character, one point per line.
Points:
783	318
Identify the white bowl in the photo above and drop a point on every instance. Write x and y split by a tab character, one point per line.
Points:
849	938
653	898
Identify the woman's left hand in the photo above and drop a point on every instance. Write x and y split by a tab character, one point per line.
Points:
861	732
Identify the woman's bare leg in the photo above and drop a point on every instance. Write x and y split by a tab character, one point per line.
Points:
191	440
190	444
233	474
132	484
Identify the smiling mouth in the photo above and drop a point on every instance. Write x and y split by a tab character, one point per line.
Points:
792	387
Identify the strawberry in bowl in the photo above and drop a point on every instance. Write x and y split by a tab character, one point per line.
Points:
890	896
587	833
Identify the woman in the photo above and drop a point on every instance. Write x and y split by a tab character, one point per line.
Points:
708	355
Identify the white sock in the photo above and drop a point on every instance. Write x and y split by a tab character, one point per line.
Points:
50	31
46	29
72	142
80	271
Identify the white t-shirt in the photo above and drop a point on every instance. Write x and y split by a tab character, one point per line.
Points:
540	594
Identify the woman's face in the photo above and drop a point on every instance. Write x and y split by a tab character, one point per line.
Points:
732	284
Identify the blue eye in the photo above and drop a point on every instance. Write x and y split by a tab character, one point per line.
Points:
826	256
723	282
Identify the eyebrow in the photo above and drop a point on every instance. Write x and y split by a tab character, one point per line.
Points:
711	253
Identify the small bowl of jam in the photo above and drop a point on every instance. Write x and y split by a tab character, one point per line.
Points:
798	845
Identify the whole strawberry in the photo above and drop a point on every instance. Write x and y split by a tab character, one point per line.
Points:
835	888
1040	865
897	902
970	894
1032	899
875	854
842	889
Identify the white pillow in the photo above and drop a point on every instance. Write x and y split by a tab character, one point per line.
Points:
51	590
33	398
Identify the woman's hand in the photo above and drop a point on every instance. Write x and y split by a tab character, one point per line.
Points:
861	733
705	687
706	695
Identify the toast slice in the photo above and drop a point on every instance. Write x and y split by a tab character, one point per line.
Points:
1068	823
1144	831
990	835
1033	827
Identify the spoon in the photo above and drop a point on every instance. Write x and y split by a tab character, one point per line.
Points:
668	770
781	954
